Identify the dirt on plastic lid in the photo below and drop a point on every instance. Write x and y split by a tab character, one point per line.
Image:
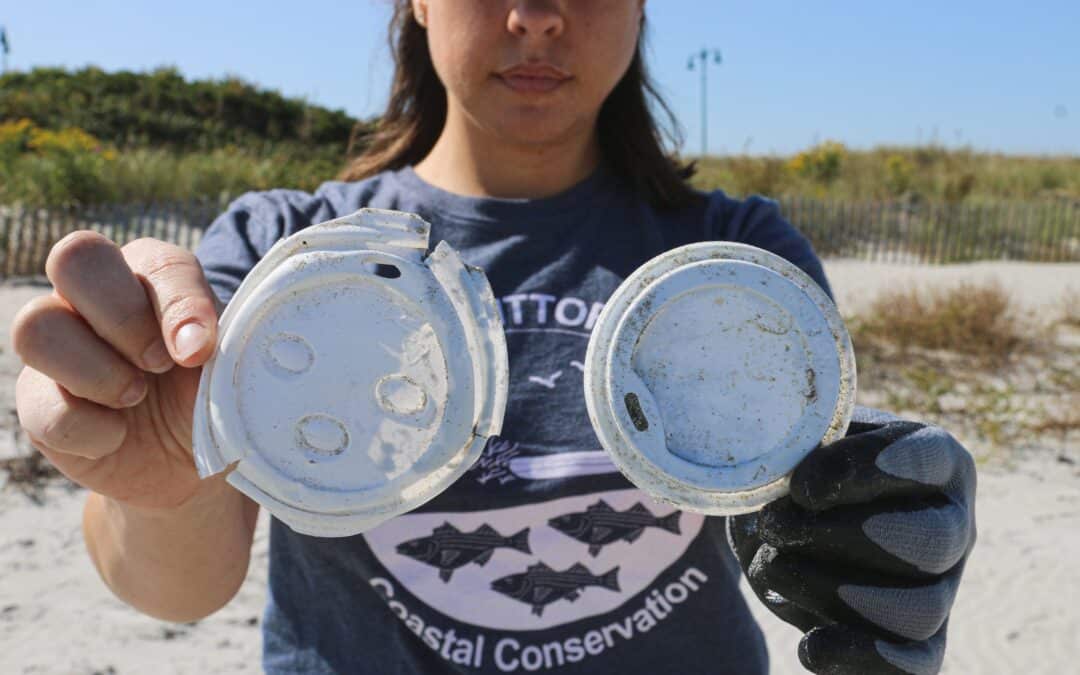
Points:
355	377
712	371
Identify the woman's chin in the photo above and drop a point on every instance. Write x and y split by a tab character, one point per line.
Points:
537	131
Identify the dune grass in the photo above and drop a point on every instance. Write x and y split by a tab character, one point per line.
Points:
978	320
918	173
968	358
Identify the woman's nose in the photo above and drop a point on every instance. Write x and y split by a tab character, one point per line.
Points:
535	17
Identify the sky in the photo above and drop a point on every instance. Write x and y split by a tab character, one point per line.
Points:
992	75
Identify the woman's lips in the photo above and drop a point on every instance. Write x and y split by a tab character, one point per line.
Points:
534	77
524	83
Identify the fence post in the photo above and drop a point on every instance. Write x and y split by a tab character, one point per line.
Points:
835	222
875	221
4	238
1069	233
102	221
1008	223
840	218
1055	214
937	227
184	219
6	219
956	233
866	211
864	215
1031	214
846	220
58	225
1066	228
139	215
70	220
28	248
18	218
885	221
128	217
827	222
951	233
811	228
968	231
966	241
37	232
168	218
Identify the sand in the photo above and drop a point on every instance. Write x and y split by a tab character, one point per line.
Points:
1033	286
1018	609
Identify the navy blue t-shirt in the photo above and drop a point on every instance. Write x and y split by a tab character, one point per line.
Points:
577	571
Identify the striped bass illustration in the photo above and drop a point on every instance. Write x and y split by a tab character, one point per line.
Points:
448	548
539	585
600	525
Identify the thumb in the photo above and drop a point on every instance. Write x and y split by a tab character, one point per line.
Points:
185	305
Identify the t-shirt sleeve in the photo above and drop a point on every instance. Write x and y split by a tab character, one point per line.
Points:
757	221
240	236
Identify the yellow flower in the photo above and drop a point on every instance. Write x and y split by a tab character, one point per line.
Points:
15	132
72	139
821	162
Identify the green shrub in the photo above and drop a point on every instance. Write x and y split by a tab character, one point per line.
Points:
898	174
821	163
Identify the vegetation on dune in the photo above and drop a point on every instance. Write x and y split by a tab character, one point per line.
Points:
163	110
42	167
924	173
978	320
88	136
968	358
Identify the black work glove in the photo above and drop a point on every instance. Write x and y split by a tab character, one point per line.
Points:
865	555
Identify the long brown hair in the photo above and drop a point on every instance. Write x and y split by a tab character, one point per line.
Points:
631	141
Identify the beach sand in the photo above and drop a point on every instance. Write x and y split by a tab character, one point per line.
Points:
1018	608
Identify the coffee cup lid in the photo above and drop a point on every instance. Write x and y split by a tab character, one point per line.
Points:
712	371
355	377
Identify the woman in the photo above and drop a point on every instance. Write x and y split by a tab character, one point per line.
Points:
520	130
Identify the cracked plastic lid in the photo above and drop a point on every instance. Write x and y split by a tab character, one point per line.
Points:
354	378
712	371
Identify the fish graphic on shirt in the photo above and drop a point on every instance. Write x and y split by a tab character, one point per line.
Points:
448	548
600	525
539	585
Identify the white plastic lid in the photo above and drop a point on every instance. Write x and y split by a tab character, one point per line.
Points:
354	378
712	371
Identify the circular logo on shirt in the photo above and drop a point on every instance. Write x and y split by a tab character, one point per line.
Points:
539	565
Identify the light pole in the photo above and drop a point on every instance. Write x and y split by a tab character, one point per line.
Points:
703	56
4	49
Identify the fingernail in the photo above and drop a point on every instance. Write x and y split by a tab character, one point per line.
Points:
134	393
156	358
189	340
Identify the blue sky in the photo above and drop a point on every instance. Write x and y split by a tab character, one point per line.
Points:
1001	76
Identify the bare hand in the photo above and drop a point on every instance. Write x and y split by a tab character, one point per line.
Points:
113	358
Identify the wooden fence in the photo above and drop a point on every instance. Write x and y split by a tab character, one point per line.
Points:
1047	231
27	235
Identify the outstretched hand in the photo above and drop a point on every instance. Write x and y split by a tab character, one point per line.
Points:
865	554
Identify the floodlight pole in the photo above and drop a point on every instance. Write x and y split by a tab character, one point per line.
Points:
4	49
703	56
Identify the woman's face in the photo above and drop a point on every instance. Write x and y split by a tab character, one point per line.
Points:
573	51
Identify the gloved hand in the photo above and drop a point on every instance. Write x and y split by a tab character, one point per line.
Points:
865	555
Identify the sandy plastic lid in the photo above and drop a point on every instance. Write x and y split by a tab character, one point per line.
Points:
712	371
354	378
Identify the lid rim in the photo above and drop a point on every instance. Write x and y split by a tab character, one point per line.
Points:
608	350
459	305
